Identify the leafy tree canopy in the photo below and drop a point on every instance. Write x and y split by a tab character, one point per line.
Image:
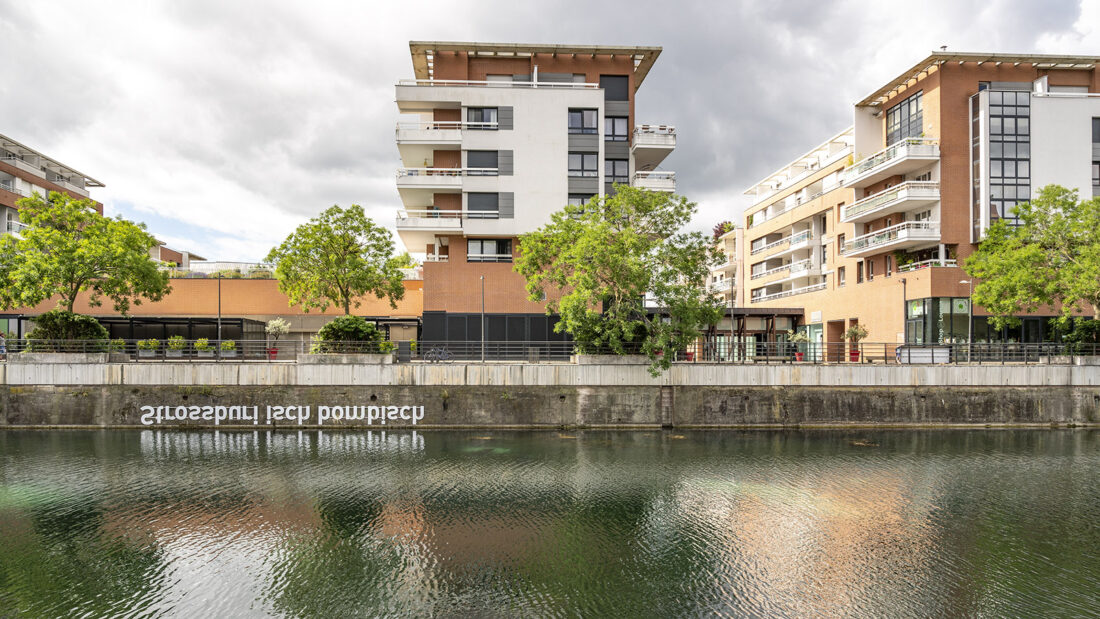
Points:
335	258
1052	257
69	248
606	256
60	324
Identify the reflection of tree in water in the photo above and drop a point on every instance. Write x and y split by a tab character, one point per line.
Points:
60	560
341	568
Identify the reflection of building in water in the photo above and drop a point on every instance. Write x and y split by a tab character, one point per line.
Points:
161	444
817	543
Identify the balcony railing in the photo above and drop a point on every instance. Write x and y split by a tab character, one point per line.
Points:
788	293
436	258
435	213
16	226
772	271
445	125
924	148
927	264
656	180
488	257
916	230
496	84
721	286
654	135
801	265
909	190
446	172
12	188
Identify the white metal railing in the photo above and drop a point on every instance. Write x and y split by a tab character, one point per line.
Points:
16	226
926	264
500	84
788	293
777	243
721	286
801	237
788	182
920	189
655	175
435	213
215	266
893	233
448	172
436	258
446	125
926	147
12	188
801	265
771	271
488	257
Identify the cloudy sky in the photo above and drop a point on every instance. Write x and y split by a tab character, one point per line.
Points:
223	124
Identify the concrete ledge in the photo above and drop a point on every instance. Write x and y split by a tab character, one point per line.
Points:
28	358
611	359
346	359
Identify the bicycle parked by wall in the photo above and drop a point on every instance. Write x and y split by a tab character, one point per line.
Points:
438	353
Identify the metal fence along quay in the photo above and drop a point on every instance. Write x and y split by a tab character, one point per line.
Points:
720	350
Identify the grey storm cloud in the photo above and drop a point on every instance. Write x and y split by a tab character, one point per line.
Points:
242	119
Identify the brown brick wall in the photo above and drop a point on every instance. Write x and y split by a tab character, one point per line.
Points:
455	286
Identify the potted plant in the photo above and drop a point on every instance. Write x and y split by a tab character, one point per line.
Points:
275	328
175	347
796	338
203	349
229	348
148	348
855	334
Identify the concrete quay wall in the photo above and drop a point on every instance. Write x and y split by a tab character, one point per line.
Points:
558	395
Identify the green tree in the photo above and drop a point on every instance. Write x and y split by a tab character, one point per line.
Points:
335	258
406	261
604	257
1052	257
69	248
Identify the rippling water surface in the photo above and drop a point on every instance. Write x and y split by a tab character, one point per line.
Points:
768	524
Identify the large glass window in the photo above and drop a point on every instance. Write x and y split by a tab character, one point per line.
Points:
583	164
905	120
583	121
615	129
484	118
483	205
615	87
616	171
489	250
579	199
1009	152
482	162
1096	130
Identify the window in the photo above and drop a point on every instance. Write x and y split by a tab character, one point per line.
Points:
480	115
579	199
840	276
859	272
1096	130
582	121
927	176
905	120
1096	173
583	164
840	243
481	162
483	205
616	171
870	270
615	130
615	87
889	266
489	250
1009	152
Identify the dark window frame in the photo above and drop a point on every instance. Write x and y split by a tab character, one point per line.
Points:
906	119
582	117
503	248
611	177
479	112
610	134
584	171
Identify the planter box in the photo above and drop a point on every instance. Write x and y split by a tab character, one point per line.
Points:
173	354
204	354
228	354
118	357
57	357
147	354
347	359
611	359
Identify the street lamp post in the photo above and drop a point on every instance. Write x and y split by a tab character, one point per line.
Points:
219	310
969	318
483	319
904	313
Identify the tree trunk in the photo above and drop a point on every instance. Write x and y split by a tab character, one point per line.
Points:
347	306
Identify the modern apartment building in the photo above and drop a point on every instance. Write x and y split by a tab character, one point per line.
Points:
24	171
870	226
725	279
497	138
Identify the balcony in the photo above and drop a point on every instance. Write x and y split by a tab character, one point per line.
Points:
419	227
772	271
927	264
655	180
16	227
727	264
11	188
795	242
901	158
724	285
651	144
788	293
910	234
438	178
900	198
438	132
496	84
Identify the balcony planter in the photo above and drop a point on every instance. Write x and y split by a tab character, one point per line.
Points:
853	356
147	354
799	356
147	349
204	354
272	353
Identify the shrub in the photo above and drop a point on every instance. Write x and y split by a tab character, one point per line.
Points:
855	334
348	333
386	347
149	344
260	274
202	344
412	345
227	274
117	345
176	342
60	324
229	345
